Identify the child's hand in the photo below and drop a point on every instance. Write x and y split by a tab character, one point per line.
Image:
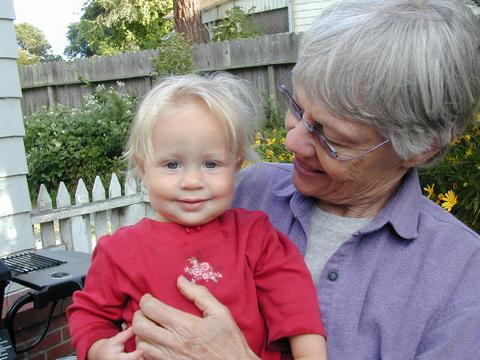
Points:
114	348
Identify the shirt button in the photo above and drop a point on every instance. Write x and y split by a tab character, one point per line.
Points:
333	276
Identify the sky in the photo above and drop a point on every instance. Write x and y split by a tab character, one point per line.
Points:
52	17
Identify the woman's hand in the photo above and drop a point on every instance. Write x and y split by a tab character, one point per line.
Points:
164	332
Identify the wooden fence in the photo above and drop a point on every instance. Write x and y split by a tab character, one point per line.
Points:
262	60
77	226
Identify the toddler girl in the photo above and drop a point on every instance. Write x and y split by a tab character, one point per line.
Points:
190	136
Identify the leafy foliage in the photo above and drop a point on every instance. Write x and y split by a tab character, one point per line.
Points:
68	144
32	45
269	142
174	57
237	25
455	182
109	27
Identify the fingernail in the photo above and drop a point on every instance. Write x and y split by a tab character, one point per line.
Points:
183	280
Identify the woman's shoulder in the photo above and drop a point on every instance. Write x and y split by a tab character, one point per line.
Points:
265	174
258	184
447	230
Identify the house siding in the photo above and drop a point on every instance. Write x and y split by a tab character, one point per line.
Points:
301	12
305	11
218	11
15	226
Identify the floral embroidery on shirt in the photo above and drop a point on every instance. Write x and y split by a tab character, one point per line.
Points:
201	271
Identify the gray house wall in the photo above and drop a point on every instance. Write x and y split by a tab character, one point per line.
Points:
15	226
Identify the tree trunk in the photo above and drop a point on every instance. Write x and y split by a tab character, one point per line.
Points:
188	20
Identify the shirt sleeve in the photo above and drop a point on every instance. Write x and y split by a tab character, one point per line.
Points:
96	310
286	294
455	333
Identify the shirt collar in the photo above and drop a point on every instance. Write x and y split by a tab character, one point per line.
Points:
299	204
402	210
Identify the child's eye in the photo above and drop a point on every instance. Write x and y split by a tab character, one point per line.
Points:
172	165
210	164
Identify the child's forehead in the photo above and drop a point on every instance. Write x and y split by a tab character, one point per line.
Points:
186	111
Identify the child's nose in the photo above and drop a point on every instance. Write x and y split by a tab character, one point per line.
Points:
192	179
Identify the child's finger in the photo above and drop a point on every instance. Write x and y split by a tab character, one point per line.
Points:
123	336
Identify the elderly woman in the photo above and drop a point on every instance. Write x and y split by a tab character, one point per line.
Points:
380	88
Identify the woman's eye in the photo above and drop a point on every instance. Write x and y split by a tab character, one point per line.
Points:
210	164
172	165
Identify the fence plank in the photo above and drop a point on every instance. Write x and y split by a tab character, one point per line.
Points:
99	218
47	230
135	212
81	229
114	191
63	201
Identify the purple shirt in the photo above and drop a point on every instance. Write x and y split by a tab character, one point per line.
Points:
406	286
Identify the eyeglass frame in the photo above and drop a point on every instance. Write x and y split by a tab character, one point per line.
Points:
299	114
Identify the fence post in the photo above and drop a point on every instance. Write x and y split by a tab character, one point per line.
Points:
99	218
114	190
47	230
63	201
81	229
133	213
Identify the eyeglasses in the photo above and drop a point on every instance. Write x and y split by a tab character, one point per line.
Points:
345	155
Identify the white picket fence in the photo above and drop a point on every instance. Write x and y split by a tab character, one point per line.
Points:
78	226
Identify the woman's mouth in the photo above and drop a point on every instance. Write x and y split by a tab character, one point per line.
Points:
305	170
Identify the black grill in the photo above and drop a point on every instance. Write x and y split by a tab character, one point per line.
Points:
28	262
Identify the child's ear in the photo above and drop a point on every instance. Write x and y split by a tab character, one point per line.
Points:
239	163
140	165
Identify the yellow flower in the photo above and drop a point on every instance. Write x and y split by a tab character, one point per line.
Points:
449	200
430	190
468	152
271	141
455	141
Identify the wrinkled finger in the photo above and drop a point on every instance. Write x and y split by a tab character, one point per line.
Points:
163	314
151	351
201	297
148	331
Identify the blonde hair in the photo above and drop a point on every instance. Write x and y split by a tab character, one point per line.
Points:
227	96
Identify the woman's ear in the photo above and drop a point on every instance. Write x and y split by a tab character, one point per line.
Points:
421	158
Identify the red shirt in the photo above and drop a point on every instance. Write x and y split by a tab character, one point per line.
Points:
249	266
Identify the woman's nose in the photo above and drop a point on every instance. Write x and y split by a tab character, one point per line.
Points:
298	139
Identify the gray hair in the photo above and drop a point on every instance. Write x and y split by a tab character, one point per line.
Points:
409	68
229	97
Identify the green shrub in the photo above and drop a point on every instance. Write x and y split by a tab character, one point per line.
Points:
238	24
174	57
455	182
269	141
68	144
